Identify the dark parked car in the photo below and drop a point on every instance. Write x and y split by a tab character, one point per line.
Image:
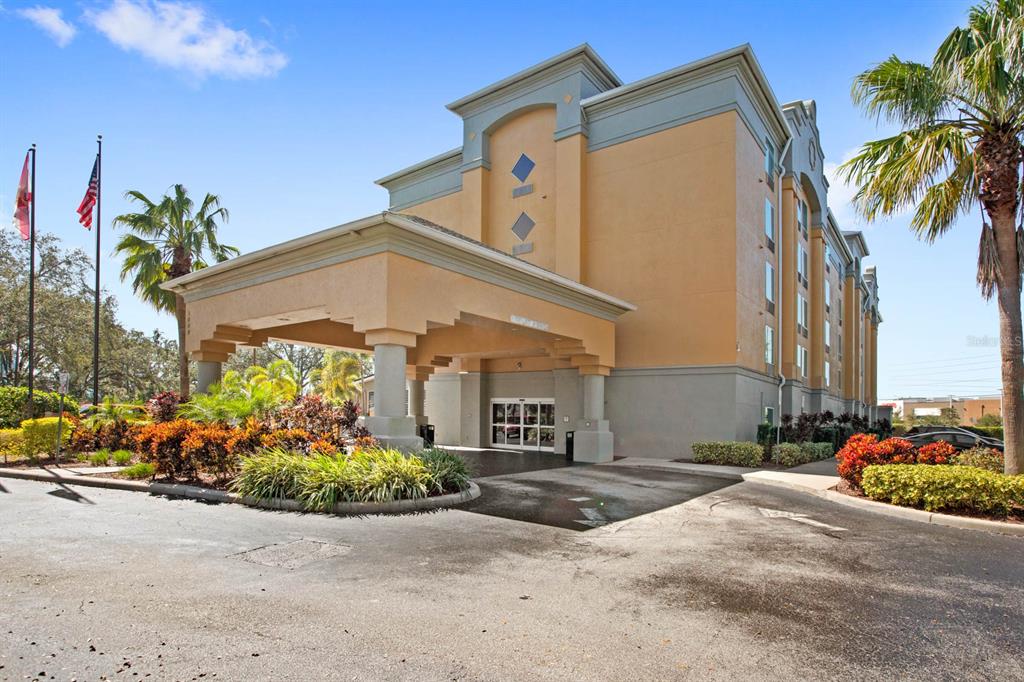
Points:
961	439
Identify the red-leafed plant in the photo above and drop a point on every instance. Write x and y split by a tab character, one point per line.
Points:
162	444
862	450
939	452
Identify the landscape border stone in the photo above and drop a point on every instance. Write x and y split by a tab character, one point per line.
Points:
213	495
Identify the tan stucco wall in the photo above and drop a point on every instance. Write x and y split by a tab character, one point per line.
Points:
446	210
661	233
402	294
751	250
531	133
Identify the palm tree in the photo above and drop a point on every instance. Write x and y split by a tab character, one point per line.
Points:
168	239
280	375
960	146
339	374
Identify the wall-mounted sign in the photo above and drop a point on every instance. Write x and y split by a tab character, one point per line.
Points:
527	322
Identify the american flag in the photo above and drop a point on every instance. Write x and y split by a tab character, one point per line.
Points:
89	200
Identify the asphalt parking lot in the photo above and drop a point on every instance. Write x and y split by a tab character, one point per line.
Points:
743	582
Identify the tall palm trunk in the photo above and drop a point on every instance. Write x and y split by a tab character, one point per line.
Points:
179	313
998	164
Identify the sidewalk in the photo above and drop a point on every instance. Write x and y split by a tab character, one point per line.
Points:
819	479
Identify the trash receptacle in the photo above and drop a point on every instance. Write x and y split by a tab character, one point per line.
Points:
569	436
427	434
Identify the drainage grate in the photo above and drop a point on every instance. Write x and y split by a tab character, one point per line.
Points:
294	554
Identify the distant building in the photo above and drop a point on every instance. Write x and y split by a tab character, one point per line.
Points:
970	409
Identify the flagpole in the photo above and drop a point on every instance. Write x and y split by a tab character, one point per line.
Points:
31	286
96	303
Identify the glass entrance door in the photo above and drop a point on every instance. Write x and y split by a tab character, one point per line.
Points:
523	423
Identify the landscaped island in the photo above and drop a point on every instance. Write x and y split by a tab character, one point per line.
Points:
308	450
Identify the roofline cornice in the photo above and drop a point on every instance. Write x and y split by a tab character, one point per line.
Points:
423	168
393	232
742	54
582	54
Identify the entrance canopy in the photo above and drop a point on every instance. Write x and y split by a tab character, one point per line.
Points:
397	280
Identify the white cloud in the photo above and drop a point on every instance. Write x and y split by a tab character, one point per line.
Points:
184	36
49	19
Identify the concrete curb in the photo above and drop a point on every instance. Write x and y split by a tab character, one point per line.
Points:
779	479
211	495
907	513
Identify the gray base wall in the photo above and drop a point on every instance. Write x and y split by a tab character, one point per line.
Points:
653	412
660	412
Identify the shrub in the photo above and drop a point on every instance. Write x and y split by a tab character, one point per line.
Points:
270	474
789	454
315	415
140	470
728	452
12	443
14	398
939	452
205	447
100	458
320	481
944	488
161	445
817	451
40	436
981	458
448	472
122	457
163	407
863	450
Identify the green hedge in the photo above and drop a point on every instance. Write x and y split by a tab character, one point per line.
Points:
943	487
732	453
795	454
818	451
981	458
40	435
13	399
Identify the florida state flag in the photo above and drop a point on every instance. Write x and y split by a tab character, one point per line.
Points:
22	203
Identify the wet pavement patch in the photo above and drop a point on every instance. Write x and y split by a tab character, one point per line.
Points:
292	555
586	497
486	463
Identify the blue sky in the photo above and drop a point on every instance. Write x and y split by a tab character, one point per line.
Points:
290	110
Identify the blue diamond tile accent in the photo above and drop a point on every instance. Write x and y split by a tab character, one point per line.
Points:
523	168
522	226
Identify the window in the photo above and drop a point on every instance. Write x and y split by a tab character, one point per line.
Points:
828	373
828	335
801	216
839	343
839	303
769	160
769	345
369	400
769	224
769	415
801	314
828	258
769	286
801	360
828	296
801	264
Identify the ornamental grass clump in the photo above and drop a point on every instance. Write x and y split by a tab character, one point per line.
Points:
321	480
449	473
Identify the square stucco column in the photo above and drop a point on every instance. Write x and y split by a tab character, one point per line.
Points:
208	373
391	425
417	400
594	442
472	411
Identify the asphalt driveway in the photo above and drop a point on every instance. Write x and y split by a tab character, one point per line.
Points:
745	582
